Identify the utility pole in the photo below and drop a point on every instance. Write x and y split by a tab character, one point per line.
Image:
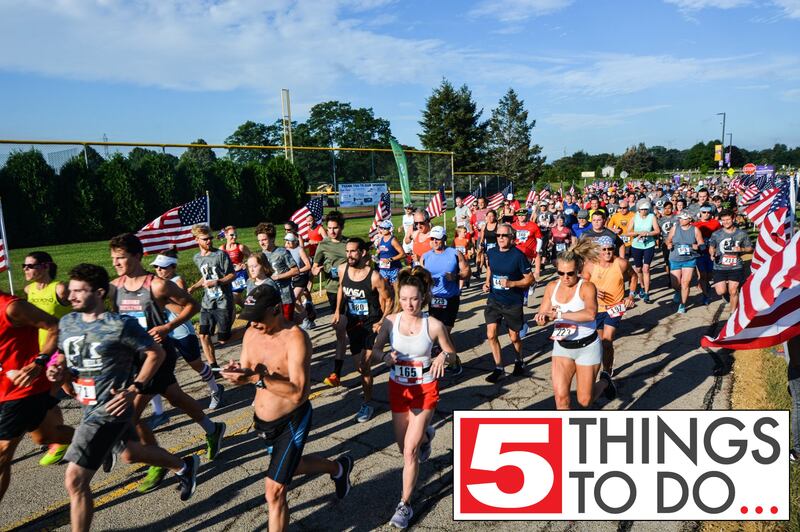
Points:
730	149
286	112
722	139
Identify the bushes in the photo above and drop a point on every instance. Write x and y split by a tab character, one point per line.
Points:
124	193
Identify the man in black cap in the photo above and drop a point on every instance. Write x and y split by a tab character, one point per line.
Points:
276	357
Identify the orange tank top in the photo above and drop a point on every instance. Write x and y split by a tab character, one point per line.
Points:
421	246
611	282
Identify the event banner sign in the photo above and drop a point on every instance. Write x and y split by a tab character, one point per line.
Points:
361	194
717	152
765	170
402	170
621	465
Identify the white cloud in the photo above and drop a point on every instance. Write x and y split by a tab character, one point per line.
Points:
791	95
517	10
575	121
788	8
791	8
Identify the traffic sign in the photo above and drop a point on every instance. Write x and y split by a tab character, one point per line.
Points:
624	174
731	172
749	169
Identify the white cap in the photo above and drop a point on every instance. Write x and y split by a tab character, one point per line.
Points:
438	232
290	237
386	224
509	196
162	261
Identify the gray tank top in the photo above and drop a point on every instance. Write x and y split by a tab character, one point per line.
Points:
682	244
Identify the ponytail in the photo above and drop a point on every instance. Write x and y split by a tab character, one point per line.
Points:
586	250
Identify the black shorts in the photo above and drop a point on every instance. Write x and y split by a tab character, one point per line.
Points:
301	281
188	347
511	314
287	437
19	416
446	314
332	301
734	276
360	334
642	256
217	320
165	375
94	439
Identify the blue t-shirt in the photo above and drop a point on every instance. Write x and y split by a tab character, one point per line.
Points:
440	264
577	230
511	264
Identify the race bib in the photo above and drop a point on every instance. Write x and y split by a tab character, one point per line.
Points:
729	260
625	238
684	250
562	331
496	282
560	246
85	391
334	273
358	307
408	371
522	236
240	281
462	249
214	292
384	264
491	245
616	311
438	302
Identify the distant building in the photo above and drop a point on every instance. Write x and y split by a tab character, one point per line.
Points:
607	171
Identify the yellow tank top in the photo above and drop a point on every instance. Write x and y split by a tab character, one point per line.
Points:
46	300
611	281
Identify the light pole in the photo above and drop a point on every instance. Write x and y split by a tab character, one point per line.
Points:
722	139
730	149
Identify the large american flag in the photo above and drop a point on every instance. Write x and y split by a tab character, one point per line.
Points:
436	206
497	198
775	227
533	197
300	217
769	305
174	227
473	196
382	212
749	194
759	208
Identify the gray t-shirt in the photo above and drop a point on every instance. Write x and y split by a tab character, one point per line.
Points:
723	243
215	265
463	214
281	261
102	354
666	223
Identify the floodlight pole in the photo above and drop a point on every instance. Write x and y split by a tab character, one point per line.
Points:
286	110
722	140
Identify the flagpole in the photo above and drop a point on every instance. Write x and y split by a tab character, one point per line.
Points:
5	250
208	209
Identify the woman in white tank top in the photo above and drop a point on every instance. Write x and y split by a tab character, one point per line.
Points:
571	303
413	385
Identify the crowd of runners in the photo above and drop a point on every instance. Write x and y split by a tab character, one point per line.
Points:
113	344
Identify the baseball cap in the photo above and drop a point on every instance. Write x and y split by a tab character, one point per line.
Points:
706	208
522	212
509	196
643	205
258	301
685	215
583	213
386	224
438	232
162	261
409	206
290	237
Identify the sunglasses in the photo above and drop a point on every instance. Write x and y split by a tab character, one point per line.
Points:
205	238
607	249
231	235
31	266
334	228
568	274
504	235
162	267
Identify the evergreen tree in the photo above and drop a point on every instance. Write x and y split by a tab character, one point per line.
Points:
510	150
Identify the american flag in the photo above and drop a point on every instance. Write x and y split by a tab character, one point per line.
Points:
382	212
758	209
769	305
545	193
497	198
572	190
533	197
300	217
174	227
749	195
473	197
774	228
437	205
3	258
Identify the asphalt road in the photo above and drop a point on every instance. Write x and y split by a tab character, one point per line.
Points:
660	366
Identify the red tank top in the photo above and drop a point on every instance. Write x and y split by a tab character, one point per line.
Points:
18	347
234	254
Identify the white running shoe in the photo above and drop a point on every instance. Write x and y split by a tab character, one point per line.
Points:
402	515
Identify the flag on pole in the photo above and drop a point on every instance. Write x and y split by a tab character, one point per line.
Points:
497	198
572	190
3	254
768	312
777	224
436	206
300	217
759	208
382	212
545	193
174	227
750	194
532	196
473	196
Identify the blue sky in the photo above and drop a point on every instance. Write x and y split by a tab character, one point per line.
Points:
597	75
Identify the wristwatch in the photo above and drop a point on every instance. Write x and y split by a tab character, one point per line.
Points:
41	360
139	386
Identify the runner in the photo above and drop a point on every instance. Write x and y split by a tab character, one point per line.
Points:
26	404
216	306
276	357
316	234
488	238
101	358
561	238
477	222
366	302
145	296
184	336
683	241
642	230
283	265
583	224
508	276
238	254
545	220
462	214
390	252
571	302
300	281
332	252
447	267
608	274
420	237
620	222
413	385
599	229
705	266
529	239
666	221
463	243
726	246
515	206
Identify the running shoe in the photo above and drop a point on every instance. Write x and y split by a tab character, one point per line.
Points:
332	380
794	455
495	375
110	461
214	441
681	309
425	448
188	480
519	368
676	298
524	331
312	324
156	420
365	413
217	374
55	453
456	368
155	476
706	300
343	480
645	297
216	398
402	515
306	325
610	392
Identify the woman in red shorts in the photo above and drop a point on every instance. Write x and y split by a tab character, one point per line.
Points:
413	386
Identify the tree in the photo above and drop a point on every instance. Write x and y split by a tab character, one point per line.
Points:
28	189
510	149
154	180
203	156
255	134
451	121
637	161
123	208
